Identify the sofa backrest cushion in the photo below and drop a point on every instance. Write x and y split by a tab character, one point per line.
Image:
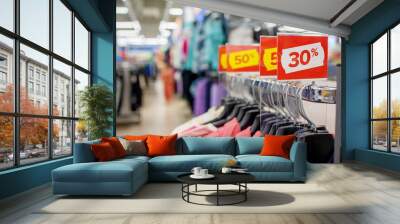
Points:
83	152
206	145
249	145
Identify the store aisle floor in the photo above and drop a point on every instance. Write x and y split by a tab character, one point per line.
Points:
157	116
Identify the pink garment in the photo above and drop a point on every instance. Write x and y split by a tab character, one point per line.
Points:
213	134
230	129
258	134
245	133
196	131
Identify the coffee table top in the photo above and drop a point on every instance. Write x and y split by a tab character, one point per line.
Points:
220	178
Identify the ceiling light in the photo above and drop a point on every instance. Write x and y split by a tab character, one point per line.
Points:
122	10
128	25
127	33
175	11
168	25
165	33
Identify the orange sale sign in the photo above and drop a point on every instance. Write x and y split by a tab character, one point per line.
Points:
223	59
302	57
243	58
269	56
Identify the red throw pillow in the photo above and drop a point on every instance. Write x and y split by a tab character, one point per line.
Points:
161	145
136	137
116	145
103	152
277	145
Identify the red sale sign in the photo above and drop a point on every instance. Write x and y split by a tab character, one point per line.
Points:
268	56
243	58
222	59
302	57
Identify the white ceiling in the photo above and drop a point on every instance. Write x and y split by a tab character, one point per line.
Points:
325	16
321	9
312	15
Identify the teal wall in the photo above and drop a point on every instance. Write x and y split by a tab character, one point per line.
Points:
355	98
99	15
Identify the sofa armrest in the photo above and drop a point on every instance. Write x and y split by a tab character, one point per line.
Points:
83	152
298	155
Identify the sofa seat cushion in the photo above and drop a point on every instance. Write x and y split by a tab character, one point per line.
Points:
257	163
185	163
113	171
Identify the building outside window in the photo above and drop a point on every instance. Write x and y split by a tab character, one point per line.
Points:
58	128
385	94
30	87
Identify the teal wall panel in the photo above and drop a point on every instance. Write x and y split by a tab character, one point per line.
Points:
24	178
99	16
355	145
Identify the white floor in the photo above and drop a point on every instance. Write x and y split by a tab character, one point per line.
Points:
377	190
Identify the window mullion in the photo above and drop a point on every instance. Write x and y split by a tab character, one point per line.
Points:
73	81
50	81
389	88
16	84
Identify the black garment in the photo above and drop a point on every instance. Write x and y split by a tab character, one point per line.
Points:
187	79
269	124
244	110
120	79
320	146
275	126
228	108
248	118
233	114
288	130
136	91
258	120
265	122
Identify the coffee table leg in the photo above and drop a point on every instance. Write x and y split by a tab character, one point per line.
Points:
217	194
245	193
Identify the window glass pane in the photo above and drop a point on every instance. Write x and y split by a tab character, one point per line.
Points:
81	81
379	135
395	94
7	14
379	56
6	142
395	47
34	97
33	139
395	136
379	97
62	29
35	21
6	74
81	131
62	138
62	89
81	45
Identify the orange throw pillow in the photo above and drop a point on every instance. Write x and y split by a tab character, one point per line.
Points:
136	137
161	145
116	145
103	152
277	145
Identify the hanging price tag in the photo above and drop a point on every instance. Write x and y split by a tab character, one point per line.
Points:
269	56
243	58
302	57
223	59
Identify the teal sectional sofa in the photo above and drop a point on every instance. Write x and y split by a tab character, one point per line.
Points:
125	176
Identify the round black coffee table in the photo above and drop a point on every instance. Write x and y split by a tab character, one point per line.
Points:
238	179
